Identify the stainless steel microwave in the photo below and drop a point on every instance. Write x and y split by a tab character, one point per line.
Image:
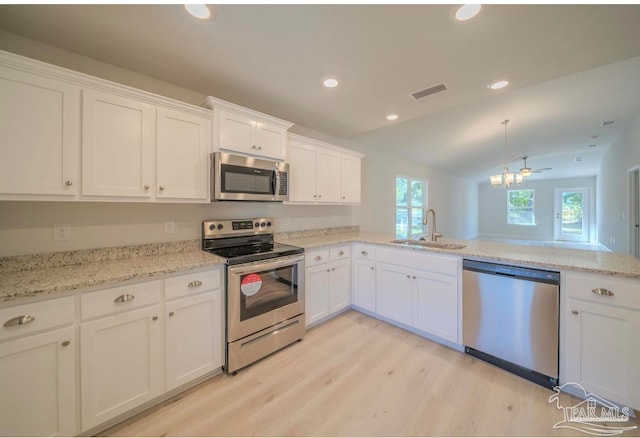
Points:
239	178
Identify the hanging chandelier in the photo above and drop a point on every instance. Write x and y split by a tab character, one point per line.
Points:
506	178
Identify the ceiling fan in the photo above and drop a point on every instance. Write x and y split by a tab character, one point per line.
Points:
527	171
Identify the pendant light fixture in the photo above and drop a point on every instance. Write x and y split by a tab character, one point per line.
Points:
506	178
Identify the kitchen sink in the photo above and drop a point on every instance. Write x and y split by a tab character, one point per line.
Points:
429	244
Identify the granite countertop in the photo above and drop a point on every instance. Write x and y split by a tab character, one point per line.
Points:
41	276
546	257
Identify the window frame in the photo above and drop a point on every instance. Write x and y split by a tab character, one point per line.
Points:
409	206
533	208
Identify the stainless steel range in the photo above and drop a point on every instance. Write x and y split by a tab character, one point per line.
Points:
264	288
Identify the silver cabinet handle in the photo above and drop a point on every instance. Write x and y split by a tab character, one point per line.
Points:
575	312
66	343
315	196
364	253
414	277
341	253
372	268
19	320
161	188
408	276
333	269
124	298
318	258
146	186
171	313
195	283
254	147
602	291
68	183
155	318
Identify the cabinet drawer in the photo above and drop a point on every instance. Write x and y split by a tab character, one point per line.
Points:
187	284
43	315
121	298
417	259
339	253
364	251
317	257
585	286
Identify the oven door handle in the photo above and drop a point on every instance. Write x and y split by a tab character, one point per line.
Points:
247	268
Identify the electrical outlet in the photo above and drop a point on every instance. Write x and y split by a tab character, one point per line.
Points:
169	227
61	232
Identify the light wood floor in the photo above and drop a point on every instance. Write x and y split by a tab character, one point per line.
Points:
357	376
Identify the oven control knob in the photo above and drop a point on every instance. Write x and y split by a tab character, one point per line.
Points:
220	226
268	224
212	227
257	224
263	224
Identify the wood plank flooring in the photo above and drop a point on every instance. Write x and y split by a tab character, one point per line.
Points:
357	376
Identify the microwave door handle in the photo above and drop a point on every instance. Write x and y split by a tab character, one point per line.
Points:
276	175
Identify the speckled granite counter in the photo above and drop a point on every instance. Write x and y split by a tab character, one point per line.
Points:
527	255
41	276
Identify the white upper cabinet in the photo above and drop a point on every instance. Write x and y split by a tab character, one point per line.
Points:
247	132
40	135
118	145
182	155
322	173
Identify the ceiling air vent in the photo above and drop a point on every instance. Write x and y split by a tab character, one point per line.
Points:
430	91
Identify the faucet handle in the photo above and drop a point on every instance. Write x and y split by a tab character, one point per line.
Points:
435	236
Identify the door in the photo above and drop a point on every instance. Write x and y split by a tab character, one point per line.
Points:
317	294
395	293
40	135
634	212
118	146
364	284
329	186
602	351
37	380
182	155
350	178
237	133
271	140
340	285
302	173
194	337
121	364
572	215
436	309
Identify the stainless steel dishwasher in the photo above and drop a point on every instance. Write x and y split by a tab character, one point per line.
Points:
511	318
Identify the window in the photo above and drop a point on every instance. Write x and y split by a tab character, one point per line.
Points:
520	207
410	203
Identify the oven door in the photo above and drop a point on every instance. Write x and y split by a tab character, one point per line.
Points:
263	294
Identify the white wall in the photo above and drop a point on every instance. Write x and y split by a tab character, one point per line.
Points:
493	209
613	187
27	227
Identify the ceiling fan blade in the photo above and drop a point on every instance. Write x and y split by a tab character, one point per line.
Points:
543	168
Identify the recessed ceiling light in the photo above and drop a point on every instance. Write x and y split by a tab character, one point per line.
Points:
330	82
498	85
200	11
392	117
467	12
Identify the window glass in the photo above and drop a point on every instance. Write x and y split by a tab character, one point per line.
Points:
520	207
410	202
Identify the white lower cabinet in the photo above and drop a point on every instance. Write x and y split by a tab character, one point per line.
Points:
601	348
363	288
436	305
120	354
395	293
327	283
37	369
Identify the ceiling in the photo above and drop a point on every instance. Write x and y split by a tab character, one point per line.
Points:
571	67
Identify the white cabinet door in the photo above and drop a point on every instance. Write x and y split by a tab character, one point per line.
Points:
37	382
183	144
317	293
39	135
302	173
340	285
237	132
118	146
436	309
395	293
271	140
121	364
351	185
329	188
364	284
602	350
193	337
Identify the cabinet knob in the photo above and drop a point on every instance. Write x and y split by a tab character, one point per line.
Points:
372	268
409	276
146	186
259	148
318	258
319	196
66	343
333	269
124	298
328	270
195	283
315	196
171	313
19	320
344	197
254	147
575	312
364	253
414	277
161	188
341	253
68	183
155	318
602	291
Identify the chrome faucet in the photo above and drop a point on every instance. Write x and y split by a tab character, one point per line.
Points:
425	220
